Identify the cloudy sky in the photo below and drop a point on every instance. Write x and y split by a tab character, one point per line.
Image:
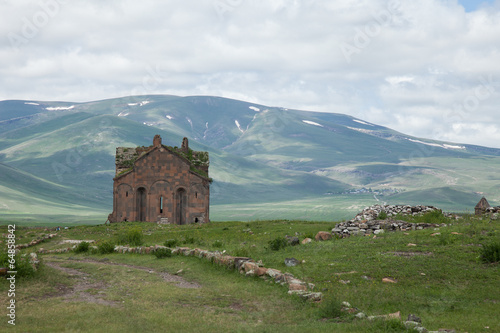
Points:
428	68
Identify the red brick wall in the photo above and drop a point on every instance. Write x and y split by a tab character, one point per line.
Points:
162	174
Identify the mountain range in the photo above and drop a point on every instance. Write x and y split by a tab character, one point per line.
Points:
57	159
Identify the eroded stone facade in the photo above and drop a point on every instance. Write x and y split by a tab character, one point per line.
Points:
161	184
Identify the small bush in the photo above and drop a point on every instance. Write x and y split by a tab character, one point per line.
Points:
309	235
171	242
162	253
22	266
82	247
332	309
217	243
242	252
278	243
189	240
435	216
490	253
382	215
390	326
132	236
106	248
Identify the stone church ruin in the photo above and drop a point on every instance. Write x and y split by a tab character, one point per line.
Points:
161	184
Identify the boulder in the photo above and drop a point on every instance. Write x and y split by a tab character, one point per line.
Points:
293	241
323	236
294	286
306	241
290	262
261	271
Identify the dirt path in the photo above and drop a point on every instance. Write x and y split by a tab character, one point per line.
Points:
79	291
84	281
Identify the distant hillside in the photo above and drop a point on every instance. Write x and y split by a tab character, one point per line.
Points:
57	159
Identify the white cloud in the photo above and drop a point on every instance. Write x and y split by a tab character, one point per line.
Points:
416	67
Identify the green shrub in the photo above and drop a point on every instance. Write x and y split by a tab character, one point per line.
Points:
390	326
278	243
133	237
331	309
22	265
436	216
162	253
171	242
242	252
217	244
382	215
105	248
82	247
189	240
490	253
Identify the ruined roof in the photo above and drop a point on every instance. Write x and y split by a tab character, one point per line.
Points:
127	156
483	203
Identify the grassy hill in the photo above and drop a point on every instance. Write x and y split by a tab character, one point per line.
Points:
262	158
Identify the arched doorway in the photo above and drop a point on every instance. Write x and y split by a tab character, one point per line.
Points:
141	204
181	203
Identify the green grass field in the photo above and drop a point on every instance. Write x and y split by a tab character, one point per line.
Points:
441	280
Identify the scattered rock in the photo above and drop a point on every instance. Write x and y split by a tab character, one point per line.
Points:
389	280
412	317
411	244
365	223
290	262
295	286
323	236
360	315
306	241
293	240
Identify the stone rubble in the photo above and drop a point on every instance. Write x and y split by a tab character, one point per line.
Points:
35	241
373	212
366	223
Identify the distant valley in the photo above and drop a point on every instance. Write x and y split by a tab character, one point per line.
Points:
57	159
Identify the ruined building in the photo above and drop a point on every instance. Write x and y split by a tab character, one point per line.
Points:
161	184
481	206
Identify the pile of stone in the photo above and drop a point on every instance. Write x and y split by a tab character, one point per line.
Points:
366	223
376	227
35	241
494	212
373	212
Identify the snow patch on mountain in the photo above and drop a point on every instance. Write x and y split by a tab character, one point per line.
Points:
444	145
139	103
312	123
238	125
362	122
256	109
59	108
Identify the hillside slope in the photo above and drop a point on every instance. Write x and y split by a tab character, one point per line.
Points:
262	158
